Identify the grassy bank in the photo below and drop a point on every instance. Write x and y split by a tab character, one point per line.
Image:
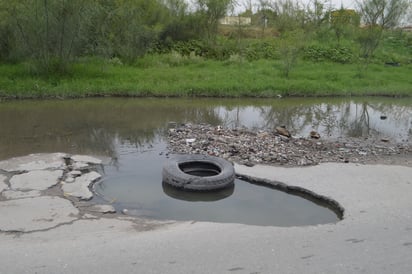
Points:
154	76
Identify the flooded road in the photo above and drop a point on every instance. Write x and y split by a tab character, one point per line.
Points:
96	126
131	133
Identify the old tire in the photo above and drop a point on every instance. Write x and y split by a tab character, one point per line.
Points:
198	172
198	196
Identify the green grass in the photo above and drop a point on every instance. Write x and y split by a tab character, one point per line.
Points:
160	76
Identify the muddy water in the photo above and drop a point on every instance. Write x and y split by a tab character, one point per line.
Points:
130	133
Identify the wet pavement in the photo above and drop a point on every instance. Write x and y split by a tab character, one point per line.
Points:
59	236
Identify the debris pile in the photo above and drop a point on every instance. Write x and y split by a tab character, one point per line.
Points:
277	147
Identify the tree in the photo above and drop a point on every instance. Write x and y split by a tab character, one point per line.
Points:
181	26
377	15
383	13
46	31
6	33
289	15
316	11
211	11
290	46
342	20
133	27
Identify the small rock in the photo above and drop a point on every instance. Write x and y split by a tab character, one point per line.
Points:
265	147
283	131
314	135
385	140
102	209
190	141
383	117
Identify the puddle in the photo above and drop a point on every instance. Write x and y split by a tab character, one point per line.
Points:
135	184
131	133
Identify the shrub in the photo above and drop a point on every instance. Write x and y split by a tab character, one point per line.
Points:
262	50
338	54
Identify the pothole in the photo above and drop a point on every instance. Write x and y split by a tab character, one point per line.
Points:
135	186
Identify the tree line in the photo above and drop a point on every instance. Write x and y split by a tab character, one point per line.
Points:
53	33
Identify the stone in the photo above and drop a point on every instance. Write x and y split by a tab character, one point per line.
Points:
86	159
34	214
80	187
264	146
34	162
102	209
36	180
283	131
15	194
314	135
190	141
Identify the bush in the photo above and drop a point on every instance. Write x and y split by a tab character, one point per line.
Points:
262	50
187	47
340	54
221	50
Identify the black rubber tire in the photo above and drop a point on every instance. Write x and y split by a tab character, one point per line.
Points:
198	196
174	176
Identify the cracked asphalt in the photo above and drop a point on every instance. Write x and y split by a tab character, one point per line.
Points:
375	235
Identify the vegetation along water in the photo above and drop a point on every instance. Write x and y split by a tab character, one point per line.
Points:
78	48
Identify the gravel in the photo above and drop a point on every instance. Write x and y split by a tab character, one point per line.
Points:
244	146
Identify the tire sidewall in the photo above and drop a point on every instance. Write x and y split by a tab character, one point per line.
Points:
174	176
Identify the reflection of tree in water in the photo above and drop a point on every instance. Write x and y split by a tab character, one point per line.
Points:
347	118
360	126
99	126
92	126
299	117
206	114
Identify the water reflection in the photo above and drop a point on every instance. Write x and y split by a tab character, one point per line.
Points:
332	119
193	196
132	133
136	185
94	126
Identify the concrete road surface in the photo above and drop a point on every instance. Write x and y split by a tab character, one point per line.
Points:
375	235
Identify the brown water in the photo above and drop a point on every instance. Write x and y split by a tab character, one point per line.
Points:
131	133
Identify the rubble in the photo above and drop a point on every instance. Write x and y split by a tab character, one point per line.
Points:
249	147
